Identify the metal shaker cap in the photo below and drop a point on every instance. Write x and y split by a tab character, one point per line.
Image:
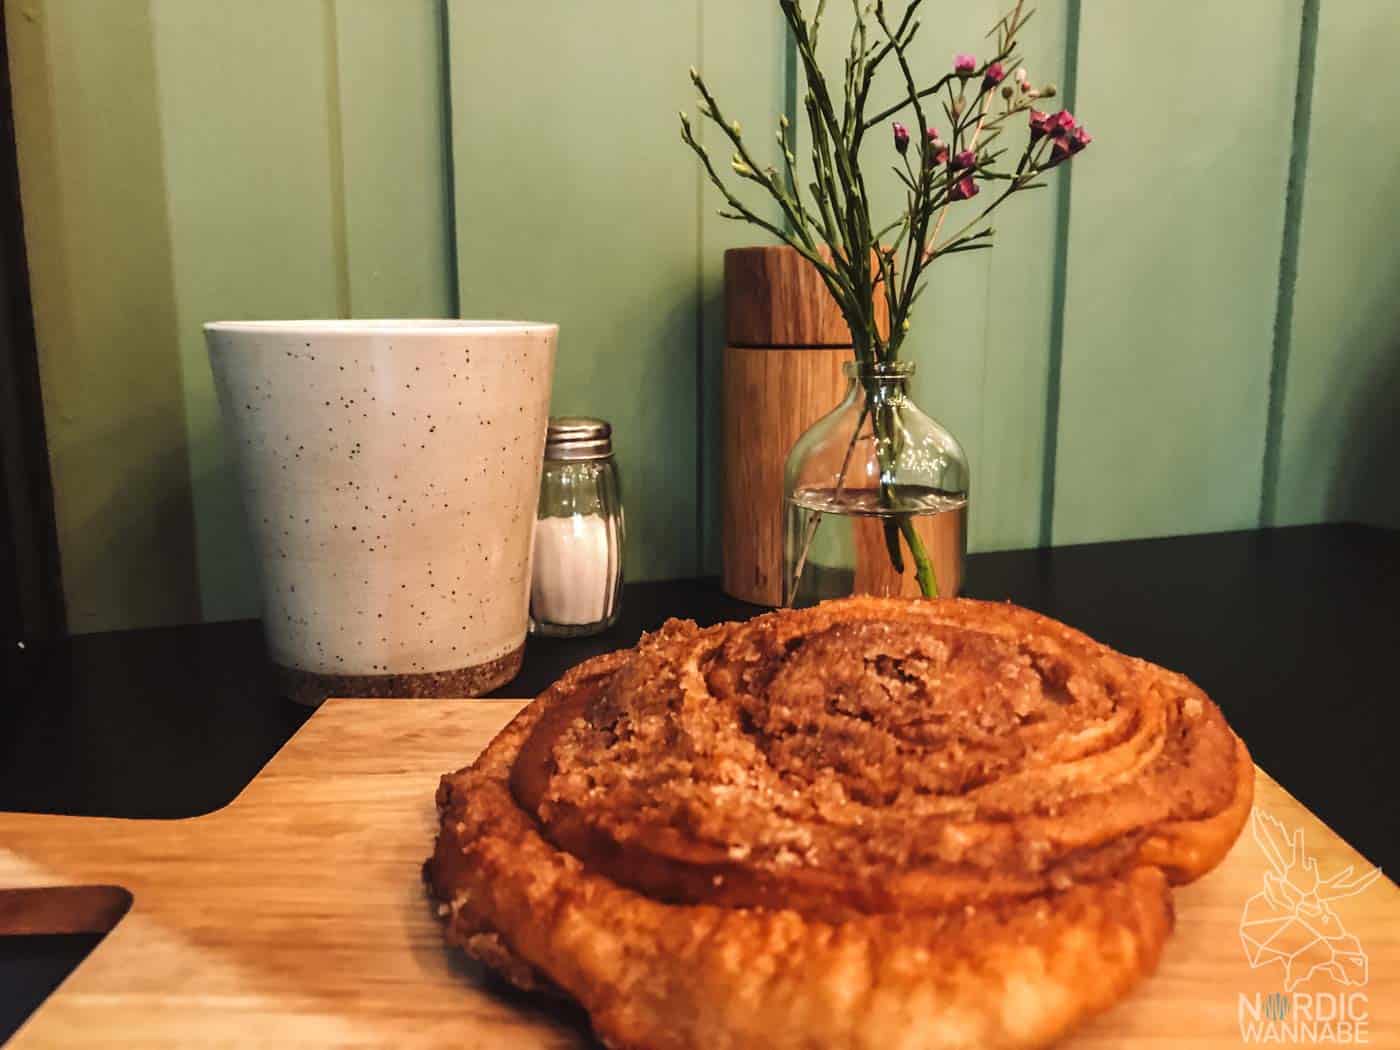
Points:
573	438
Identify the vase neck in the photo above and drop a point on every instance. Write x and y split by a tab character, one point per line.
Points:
885	381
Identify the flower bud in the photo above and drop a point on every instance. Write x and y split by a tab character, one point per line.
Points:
964	65
958	106
734	127
1049	91
1007	91
783	121
740	168
1021	75
964	188
694	75
901	137
1040	125
995	74
963	161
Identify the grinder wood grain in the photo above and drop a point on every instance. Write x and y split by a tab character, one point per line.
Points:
295	915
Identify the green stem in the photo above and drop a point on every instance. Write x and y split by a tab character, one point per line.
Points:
883	420
923	567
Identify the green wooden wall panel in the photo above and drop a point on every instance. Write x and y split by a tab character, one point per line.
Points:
189	159
101	275
390	78
743	49
254	223
304	151
1009	384
981	335
575	203
1340	433
1175	230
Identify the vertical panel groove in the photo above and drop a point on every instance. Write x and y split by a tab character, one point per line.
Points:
449	203
335	140
1288	262
1058	293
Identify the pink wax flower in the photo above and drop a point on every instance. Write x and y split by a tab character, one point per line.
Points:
1067	145
964	188
964	65
1060	125
901	137
932	135
995	74
1040	125
964	160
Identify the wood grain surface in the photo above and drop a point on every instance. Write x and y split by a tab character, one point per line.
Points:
295	916
770	397
774	297
626	292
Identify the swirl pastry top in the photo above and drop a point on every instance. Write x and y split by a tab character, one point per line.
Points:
866	769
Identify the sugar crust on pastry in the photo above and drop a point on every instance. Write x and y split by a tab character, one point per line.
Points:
875	823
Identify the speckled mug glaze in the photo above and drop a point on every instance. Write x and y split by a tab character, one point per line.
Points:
390	471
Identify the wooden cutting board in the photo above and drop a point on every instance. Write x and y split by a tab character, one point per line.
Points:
295	916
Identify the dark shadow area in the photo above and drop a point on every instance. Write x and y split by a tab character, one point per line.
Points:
44	935
31	967
542	1006
162	723
31	593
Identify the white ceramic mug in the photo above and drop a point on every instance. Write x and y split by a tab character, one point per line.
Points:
390	472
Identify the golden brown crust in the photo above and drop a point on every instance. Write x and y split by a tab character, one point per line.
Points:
873	823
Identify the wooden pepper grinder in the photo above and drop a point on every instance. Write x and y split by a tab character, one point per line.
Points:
786	343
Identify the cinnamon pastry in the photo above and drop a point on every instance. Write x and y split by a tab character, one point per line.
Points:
877	823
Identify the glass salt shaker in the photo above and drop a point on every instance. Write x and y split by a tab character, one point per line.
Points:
577	579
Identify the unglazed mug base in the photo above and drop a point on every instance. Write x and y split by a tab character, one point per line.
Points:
310	688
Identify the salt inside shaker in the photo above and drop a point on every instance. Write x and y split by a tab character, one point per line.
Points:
577	576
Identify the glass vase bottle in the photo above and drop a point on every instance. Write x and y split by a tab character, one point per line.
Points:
875	497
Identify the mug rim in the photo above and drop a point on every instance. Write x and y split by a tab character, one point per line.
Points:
379	326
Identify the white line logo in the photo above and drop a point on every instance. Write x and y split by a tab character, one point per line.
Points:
1290	922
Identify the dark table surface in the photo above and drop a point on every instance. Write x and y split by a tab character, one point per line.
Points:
1294	632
